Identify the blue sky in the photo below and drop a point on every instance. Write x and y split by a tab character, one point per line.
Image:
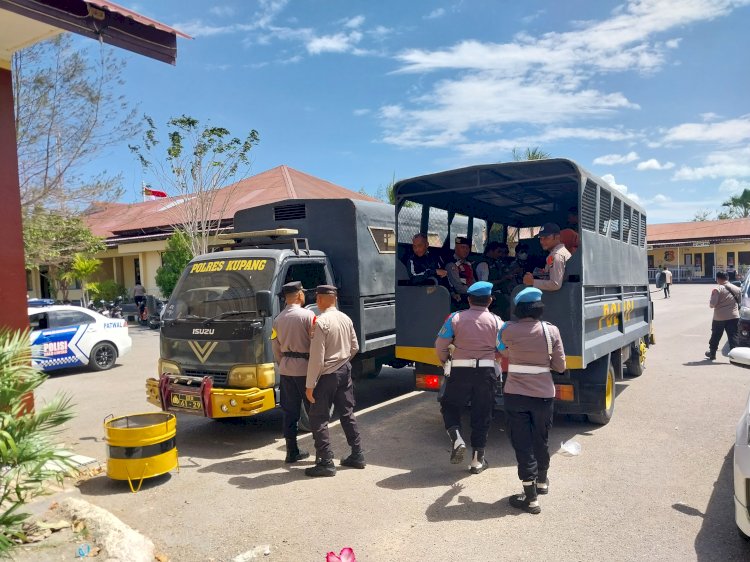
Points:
651	95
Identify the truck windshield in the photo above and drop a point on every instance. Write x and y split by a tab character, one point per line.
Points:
220	289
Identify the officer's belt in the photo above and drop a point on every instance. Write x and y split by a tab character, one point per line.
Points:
295	355
473	363
528	369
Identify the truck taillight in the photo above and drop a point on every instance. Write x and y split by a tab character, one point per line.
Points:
428	382
565	392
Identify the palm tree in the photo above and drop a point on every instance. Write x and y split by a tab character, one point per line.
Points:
535	153
81	270
738	206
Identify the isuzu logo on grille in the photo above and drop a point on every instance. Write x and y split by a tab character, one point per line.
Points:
204	351
203	331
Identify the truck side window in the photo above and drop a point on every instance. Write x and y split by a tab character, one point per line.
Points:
309	274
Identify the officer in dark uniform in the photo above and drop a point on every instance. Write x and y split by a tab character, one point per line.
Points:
460	273
534	350
472	372
424	267
329	382
290	341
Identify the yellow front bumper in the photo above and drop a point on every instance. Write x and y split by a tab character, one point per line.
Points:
218	402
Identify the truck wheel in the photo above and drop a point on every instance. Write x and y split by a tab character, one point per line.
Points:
103	356
603	417
637	362
376	371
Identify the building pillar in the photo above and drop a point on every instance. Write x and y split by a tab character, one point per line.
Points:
13	280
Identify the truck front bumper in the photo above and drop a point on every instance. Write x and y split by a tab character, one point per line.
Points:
171	395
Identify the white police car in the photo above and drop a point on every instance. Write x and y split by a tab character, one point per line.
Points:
70	336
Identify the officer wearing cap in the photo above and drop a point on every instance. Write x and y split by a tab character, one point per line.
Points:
329	382
534	350
554	269
460	272
471	372
290	341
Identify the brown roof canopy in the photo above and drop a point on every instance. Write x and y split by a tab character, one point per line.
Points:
698	230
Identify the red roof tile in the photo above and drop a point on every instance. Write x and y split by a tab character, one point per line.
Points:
112	219
698	230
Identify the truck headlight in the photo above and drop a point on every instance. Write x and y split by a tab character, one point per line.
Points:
168	368
745	313
242	376
266	375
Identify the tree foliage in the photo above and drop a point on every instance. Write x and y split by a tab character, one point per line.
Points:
702	215
192	166
737	206
28	456
67	115
81	269
535	153
174	259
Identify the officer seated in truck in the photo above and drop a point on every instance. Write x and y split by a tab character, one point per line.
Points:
424	267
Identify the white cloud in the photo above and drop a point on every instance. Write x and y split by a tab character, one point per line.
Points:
660	198
730	131
654	164
710	116
610	179
733	186
361	112
612	159
548	80
733	163
337	43
355	22
435	14
196	28
531	17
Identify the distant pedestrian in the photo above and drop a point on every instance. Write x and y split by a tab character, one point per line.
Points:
725	300
667	281
139	293
534	350
329	382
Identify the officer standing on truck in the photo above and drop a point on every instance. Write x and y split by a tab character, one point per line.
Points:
329	382
534	350
472	372
551	278
290	341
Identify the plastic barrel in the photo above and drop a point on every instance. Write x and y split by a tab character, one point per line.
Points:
140	446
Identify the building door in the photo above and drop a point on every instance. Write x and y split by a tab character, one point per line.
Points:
708	264
45	291
650	261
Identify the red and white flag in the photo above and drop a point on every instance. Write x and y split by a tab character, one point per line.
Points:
151	194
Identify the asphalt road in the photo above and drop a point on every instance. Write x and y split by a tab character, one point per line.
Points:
654	484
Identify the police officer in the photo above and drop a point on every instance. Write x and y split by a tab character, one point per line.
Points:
494	266
551	278
472	370
329	381
290	341
460	272
521	264
534	349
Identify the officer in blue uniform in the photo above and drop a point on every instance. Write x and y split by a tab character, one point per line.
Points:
472	372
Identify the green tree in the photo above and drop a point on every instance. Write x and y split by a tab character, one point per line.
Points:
702	215
195	163
535	153
81	269
174	259
54	239
28	456
68	113
107	290
738	206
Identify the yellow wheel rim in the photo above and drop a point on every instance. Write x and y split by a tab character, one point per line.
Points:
610	388
642	352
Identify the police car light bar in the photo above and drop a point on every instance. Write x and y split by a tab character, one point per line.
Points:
258	234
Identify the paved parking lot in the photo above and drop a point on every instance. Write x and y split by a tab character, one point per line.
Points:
654	484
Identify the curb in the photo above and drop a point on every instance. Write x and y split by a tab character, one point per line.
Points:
119	541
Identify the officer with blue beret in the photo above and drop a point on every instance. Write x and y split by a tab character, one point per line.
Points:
471	372
535	350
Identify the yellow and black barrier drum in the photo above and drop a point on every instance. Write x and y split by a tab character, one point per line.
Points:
141	446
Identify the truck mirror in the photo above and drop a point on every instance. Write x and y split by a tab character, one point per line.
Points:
264	303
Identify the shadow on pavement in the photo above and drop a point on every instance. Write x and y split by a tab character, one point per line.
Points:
104	486
718	538
467	509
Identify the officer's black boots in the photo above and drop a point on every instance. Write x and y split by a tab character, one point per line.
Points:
293	452
355	460
527	501
323	467
711	355
542	484
478	462
458	446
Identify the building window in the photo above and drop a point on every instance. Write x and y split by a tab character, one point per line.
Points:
384	238
688	259
730	260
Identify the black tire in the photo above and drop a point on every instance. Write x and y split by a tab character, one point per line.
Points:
604	416
742	535
374	374
103	356
637	362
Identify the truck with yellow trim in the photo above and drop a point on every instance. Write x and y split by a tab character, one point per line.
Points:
603	308
215	345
